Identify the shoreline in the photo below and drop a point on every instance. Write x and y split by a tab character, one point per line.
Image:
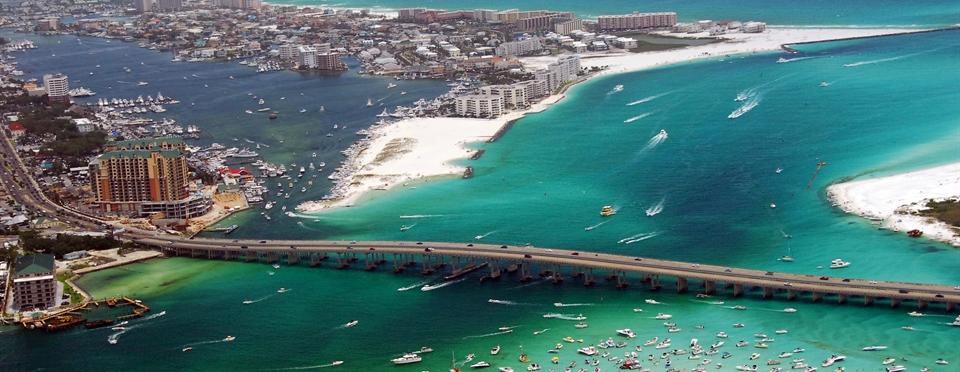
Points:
440	142
892	201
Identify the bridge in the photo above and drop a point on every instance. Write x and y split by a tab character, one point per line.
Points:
456	259
525	261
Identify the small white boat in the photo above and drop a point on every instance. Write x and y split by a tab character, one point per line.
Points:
480	364
652	302
874	348
781	331
626	332
888	361
505	369
838	264
896	369
942	362
789	310
406	359
663	316
276	266
495	350
229	338
722	334
915	314
186	349
351	323
283	290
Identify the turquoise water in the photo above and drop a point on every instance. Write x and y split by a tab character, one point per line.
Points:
780	12
894	110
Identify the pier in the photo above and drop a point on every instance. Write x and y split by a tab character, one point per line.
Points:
559	266
70	316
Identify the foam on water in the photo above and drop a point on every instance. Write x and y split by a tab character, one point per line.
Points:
638	117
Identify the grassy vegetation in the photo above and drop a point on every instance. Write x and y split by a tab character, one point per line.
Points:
947	211
651	43
75	297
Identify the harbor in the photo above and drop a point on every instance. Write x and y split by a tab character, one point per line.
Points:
74	315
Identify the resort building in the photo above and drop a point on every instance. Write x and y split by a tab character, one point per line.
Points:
565	69
330	62
57	87
307	57
753	27
565	28
143	5
145	177
519	48
238	4
514	95
34	285
542	22
480	105
636	21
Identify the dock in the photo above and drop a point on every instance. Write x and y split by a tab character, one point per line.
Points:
70	316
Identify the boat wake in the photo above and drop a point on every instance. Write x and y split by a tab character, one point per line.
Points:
642	238
745	108
412	286
478	237
409	216
533	283
561	304
250	302
204	343
648	99
114	337
301	215
503	302
634	237
588	228
441	285
655	141
568	317
154	316
638	117
616	89
489	334
307	367
891	59
655	209
788	60
708	302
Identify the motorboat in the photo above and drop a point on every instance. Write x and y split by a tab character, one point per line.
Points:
351	323
229	338
785	354
874	348
739	307
897	368
186	349
651	341
754	356
480	364
607	211
424	349
781	331
722	334
581	325
533	367
888	361
588	351
833	359
505	369
799	350
742	343
663	316
407	359
789	310
495	350
626	332
838	264
942	362
915	314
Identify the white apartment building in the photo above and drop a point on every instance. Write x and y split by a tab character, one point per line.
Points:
307	56
480	106
519	48
514	95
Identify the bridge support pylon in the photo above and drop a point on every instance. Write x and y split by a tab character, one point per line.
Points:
951	307
867	300
767	292
841	298
817	296
894	302
681	285
791	294
922	304
709	287
737	290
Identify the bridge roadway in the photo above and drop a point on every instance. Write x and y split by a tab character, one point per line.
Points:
24	189
710	275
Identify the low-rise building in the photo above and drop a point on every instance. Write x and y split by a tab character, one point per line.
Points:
753	27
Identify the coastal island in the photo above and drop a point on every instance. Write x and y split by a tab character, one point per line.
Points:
923	202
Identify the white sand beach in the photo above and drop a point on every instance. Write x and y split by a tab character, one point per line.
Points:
893	200
426	147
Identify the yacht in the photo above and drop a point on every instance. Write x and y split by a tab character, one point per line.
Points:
607	211
833	359
626	332
480	364
588	351
838	264
406	359
663	316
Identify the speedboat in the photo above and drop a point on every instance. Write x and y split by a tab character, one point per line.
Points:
838	264
785	354
495	350
652	302
722	334
407	359
739	307
716	345
833	359
581	325
915	314
505	369
247	302
789	310
480	364
781	331
874	348
651	341
588	351
888	361
283	290
351	323
799	350
626	332
186	349
229	338
942	362
754	356
663	316
896	369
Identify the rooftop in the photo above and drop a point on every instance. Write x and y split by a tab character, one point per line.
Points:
139	154
37	263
